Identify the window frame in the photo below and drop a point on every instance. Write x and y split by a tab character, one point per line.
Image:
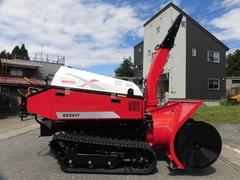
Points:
183	24
158	29
235	81
219	57
194	55
140	67
17	72
153	54
149	52
214	89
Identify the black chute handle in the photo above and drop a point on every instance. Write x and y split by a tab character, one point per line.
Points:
168	42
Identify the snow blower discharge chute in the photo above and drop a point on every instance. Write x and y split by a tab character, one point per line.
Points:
101	124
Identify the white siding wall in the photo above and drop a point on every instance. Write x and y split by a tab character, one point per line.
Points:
176	65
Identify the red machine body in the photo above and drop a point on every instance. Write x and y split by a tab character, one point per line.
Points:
168	127
50	102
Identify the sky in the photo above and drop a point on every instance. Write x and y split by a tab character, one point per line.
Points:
96	35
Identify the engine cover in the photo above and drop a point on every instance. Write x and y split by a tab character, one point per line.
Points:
77	79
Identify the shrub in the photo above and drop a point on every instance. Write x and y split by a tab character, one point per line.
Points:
238	90
225	100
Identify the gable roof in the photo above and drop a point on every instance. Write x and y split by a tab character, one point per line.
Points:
138	44
190	19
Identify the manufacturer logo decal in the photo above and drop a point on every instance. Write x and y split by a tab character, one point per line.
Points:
68	81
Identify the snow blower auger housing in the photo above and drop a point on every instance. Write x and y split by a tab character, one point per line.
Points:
105	125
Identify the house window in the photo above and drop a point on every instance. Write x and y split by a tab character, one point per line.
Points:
140	67
5	89
16	72
153	54
213	57
183	24
158	29
139	49
149	52
213	84
194	52
235	81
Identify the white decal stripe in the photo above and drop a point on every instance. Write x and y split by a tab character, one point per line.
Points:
87	115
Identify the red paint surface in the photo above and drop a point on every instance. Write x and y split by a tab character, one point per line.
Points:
166	123
156	69
47	104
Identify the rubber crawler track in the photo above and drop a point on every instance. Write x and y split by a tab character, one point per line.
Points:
62	140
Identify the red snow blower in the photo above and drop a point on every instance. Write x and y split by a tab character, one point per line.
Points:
101	124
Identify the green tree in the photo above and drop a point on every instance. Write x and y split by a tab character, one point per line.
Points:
125	69
233	63
3	54
16	53
24	52
20	53
8	56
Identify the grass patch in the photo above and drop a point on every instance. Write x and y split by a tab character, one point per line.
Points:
218	114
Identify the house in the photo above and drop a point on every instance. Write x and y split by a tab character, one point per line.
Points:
197	63
12	73
232	84
138	60
49	63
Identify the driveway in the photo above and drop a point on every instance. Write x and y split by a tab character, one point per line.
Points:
26	156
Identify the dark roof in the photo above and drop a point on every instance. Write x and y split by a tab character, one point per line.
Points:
21	81
138	44
190	19
20	63
233	77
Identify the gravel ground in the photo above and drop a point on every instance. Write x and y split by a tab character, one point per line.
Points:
230	134
26	156
14	123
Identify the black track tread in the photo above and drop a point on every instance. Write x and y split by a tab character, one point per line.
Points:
120	143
